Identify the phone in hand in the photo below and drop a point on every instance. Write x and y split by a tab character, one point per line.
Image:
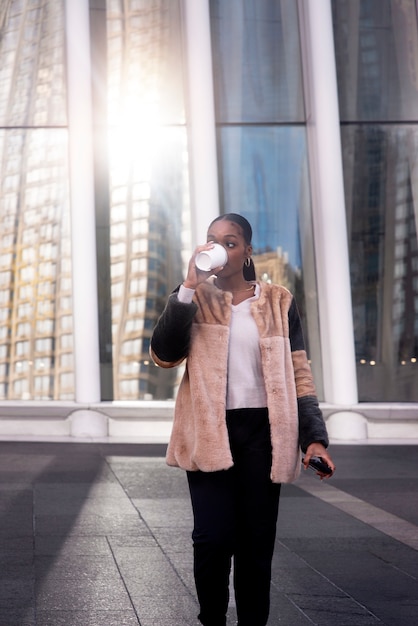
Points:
318	465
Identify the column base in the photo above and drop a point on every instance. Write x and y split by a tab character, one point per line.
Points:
347	425
85	423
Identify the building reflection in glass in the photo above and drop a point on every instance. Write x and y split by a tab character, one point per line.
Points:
260	112
265	178
384	259
377	69
35	268
36	347
149	201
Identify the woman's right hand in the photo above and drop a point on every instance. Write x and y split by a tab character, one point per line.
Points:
196	276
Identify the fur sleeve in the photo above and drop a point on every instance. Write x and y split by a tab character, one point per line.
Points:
171	337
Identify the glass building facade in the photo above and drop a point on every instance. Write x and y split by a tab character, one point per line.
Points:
146	195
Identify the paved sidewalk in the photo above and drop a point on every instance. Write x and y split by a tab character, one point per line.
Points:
99	535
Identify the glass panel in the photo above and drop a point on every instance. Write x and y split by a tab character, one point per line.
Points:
35	261
256	61
380	165
264	173
149	197
376	43
145	66
32	77
35	266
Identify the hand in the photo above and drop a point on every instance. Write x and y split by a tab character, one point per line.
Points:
317	449
196	276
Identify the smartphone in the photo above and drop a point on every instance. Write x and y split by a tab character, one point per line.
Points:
318	465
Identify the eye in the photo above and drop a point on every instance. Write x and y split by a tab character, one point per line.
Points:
230	244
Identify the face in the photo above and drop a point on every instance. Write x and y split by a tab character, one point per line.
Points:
229	234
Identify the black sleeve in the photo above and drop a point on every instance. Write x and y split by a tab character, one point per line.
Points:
297	341
171	336
311	422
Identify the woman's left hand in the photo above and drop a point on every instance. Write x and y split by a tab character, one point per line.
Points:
317	449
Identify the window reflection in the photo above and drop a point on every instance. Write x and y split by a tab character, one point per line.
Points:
265	178
256	55
35	243
34	204
384	258
377	59
258	87
32	80
377	66
149	213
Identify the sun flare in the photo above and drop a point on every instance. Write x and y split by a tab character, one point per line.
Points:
136	136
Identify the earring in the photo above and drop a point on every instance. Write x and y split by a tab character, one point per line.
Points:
247	262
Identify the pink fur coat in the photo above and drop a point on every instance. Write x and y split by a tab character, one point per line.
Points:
199	438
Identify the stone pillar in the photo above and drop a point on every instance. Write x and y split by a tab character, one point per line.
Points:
329	219
201	119
84	423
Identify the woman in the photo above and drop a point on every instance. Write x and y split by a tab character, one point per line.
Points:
245	408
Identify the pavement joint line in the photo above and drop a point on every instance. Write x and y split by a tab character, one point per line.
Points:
381	520
342	591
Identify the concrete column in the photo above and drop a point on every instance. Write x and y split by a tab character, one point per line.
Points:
85	423
204	190
329	217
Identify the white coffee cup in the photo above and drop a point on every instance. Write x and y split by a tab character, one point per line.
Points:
209	259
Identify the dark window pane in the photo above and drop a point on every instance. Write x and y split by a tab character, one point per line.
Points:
376	44
379	166
256	61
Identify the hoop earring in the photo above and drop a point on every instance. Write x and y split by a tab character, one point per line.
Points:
247	262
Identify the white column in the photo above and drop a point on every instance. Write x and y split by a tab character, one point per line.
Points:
204	193
85	423
329	217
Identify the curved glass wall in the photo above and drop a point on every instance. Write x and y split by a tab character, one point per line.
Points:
262	144
377	66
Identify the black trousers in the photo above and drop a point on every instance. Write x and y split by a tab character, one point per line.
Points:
235	515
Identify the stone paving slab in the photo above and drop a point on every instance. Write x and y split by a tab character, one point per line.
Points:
100	535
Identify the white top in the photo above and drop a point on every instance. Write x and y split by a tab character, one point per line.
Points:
245	385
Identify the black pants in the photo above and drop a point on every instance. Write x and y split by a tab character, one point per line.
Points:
235	515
